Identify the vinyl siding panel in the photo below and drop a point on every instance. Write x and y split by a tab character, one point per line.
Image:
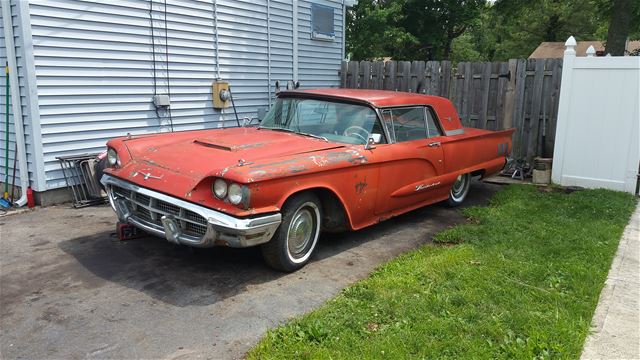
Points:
319	60
3	101
94	65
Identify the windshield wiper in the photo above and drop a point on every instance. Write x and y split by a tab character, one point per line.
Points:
278	129
295	132
314	136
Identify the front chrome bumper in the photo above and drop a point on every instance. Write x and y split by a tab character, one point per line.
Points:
182	222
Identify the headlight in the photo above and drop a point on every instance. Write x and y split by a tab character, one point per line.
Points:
112	157
235	194
220	188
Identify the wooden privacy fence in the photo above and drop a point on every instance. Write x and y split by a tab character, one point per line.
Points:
520	93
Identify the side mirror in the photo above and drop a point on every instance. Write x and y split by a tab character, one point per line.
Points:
372	141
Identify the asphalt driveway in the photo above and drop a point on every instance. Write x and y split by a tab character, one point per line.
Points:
69	289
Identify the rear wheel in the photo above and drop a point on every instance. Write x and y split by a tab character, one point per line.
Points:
293	243
459	190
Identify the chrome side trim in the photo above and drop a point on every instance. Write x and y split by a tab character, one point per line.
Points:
454	132
222	229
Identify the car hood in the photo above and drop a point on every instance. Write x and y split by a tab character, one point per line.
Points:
198	154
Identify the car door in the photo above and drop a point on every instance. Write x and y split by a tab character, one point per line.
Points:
413	157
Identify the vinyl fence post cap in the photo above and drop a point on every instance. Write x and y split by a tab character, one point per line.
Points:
570	46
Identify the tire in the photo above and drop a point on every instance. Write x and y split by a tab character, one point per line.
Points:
293	243
459	190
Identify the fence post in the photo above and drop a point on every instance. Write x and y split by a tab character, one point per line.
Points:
509	100
445	84
390	75
563	109
377	75
365	82
534	113
484	101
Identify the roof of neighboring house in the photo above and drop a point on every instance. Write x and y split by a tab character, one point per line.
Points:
555	50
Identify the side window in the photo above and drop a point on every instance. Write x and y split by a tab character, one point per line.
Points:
432	127
405	124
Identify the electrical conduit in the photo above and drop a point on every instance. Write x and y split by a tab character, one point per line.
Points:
6	135
7	23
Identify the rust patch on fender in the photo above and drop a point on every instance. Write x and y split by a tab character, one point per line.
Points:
361	186
297	169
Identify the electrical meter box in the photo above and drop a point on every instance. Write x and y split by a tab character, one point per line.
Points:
220	94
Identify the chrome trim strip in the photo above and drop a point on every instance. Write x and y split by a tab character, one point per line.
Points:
233	231
454	132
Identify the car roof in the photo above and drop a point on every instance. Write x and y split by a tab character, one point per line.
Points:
377	98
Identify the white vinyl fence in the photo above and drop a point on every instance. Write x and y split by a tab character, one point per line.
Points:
596	144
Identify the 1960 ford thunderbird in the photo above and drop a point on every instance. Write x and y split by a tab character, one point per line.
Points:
321	160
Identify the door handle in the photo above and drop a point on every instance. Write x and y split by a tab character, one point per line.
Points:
434	144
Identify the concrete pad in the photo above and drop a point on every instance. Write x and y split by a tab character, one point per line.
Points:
70	290
616	322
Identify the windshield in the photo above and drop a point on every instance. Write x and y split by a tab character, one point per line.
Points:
335	121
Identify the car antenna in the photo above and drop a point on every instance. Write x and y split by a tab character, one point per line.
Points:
233	104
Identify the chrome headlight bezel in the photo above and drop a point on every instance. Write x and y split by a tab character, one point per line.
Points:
220	188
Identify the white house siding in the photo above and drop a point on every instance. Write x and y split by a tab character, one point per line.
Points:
3	101
318	60
94	65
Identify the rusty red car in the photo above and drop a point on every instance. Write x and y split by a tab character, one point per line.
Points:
323	160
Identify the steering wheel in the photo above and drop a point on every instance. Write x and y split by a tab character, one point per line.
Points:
357	131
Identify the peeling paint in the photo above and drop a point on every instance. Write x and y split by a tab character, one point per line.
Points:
297	169
249	146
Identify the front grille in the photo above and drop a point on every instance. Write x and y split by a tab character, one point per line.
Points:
150	210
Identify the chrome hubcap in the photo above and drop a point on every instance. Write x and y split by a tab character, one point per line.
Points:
301	232
458	186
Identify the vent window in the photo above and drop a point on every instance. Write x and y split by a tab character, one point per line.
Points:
322	22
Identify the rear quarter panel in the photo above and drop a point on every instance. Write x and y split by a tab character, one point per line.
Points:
477	149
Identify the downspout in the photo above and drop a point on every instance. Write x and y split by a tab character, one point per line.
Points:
294	28
217	55
269	52
344	32
18	125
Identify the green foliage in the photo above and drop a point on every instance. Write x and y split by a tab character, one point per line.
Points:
473	30
407	29
519	26
523	284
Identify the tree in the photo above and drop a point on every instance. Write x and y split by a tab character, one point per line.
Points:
408	29
619	27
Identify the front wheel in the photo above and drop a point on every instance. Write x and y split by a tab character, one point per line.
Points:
293	243
459	190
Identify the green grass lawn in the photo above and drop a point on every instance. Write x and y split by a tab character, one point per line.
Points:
520	280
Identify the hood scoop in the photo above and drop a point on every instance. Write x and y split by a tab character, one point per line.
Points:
221	145
206	143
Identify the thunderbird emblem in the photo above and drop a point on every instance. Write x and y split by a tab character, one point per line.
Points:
147	176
